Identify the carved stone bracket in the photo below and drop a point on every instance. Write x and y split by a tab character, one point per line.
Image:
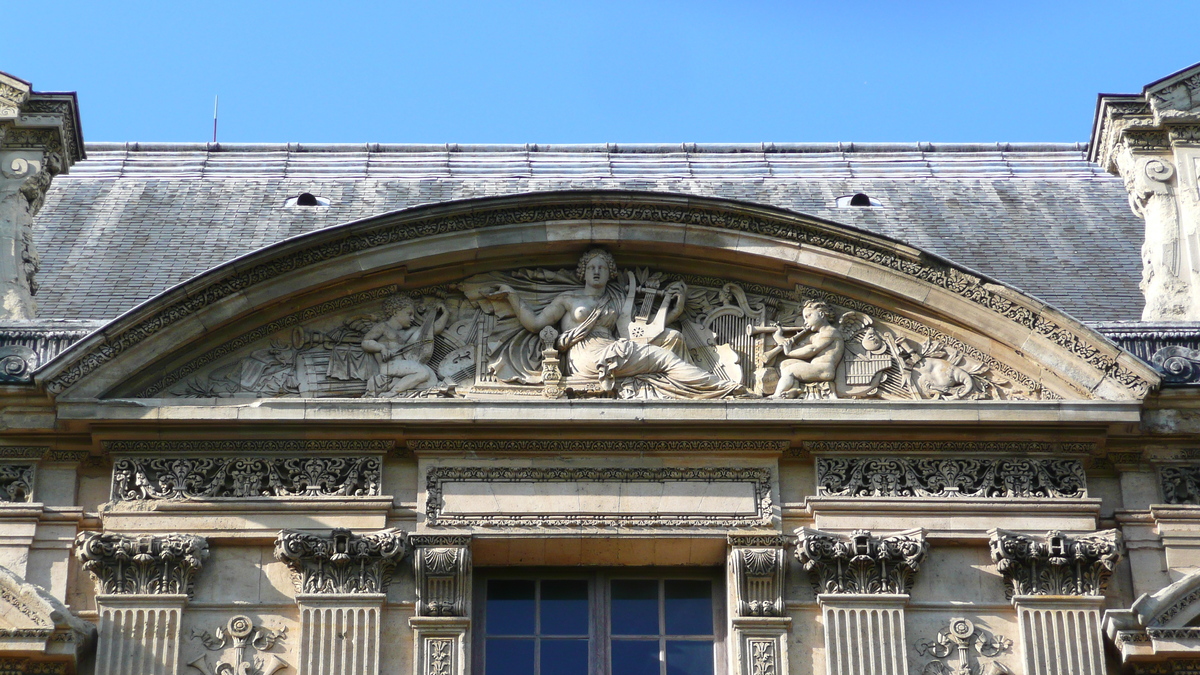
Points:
142	565
240	649
343	562
442	565
145	478
1056	564
758	564
861	563
984	478
964	639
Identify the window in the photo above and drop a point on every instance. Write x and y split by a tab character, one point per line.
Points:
615	623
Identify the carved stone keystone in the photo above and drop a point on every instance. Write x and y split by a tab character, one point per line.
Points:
860	562
343	562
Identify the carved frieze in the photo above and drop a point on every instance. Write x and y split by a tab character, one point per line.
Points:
19	666
239	648
1180	483
1056	564
754	482
758	564
145	478
342	562
1170	667
442	566
966	642
860	562
16	482
530	332
144	564
591	446
926	477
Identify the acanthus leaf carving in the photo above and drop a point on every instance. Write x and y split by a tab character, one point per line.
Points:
143	564
144	479
1056	564
343	562
861	563
929	477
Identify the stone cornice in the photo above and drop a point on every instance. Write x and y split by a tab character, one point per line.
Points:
1127	376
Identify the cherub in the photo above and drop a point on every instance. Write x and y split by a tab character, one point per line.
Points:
813	353
402	349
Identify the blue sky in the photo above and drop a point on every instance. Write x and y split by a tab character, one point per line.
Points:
581	72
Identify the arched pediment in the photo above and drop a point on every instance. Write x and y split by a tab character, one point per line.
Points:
314	316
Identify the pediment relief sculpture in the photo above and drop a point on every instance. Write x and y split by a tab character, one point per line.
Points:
599	331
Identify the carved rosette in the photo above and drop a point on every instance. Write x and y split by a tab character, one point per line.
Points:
861	563
343	562
758	564
1055	564
442	566
143	564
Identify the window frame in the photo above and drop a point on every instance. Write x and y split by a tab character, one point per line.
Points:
599	604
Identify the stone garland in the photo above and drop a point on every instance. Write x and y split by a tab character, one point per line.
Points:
148	479
621	208
343	562
979	478
144	564
1055	564
861	563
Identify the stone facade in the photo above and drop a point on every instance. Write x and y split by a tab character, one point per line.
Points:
583	427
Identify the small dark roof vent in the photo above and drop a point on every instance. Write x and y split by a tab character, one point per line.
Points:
306	199
859	199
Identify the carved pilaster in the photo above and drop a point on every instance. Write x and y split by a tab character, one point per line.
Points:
39	139
441	629
144	583
342	580
1056	564
343	562
861	563
758	625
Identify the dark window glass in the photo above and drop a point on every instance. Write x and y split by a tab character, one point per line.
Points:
688	607
510	607
564	608
564	657
690	657
509	657
635	657
634	607
860	200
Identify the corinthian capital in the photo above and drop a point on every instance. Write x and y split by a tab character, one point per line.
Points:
144	564
343	562
860	562
1055	564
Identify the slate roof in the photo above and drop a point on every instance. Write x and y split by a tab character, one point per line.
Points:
134	219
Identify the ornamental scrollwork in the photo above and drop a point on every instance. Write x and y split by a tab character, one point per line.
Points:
1056	564
964	639
143	564
1180	484
242	649
16	482
860	562
147	479
343	562
926	477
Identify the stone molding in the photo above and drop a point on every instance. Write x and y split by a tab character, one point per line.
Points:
599	446
25	348
861	563
442	567
758	564
35	619
144	564
343	562
1055	564
249	446
960	448
333	243
967	478
437	477
25	666
152	479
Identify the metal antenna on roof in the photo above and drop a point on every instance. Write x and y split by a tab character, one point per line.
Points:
215	100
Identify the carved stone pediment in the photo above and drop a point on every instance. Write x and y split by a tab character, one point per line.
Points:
598	331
